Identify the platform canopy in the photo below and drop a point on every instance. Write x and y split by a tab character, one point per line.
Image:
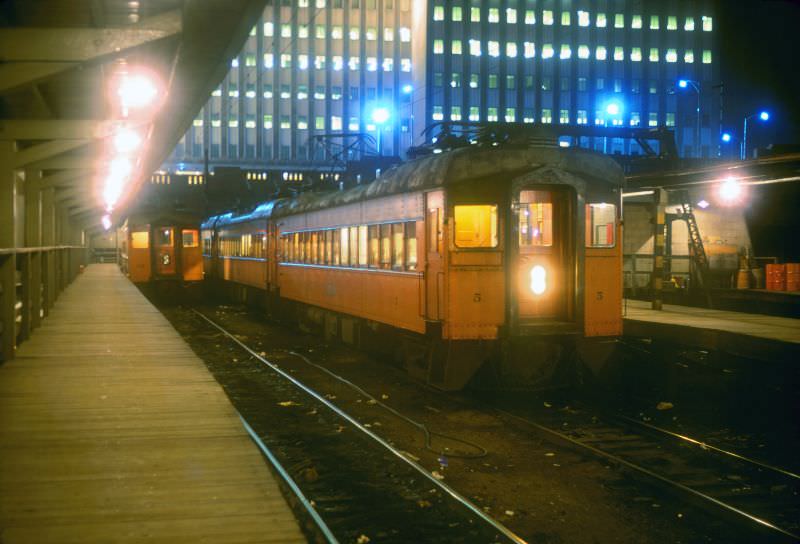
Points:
62	63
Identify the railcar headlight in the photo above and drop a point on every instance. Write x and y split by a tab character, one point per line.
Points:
538	279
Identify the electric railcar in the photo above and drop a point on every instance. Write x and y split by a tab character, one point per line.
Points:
165	247
481	263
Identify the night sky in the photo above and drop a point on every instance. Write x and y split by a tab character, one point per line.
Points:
758	49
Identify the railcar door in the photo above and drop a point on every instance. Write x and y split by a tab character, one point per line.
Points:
164	248
544	269
434	255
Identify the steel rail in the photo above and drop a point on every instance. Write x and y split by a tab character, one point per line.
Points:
499	527
321	525
655	476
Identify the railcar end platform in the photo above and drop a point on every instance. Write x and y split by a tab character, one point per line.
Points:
112	430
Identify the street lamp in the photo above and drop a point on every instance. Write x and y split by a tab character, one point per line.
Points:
379	116
763	116
684	84
613	109
726	137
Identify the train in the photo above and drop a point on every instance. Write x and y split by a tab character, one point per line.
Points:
482	265
160	246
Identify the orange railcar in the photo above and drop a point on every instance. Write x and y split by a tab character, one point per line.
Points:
162	247
505	259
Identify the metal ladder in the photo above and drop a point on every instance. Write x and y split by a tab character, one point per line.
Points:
696	249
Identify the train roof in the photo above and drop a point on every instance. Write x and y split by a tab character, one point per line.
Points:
570	165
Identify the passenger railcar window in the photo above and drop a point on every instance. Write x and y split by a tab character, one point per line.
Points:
344	246
314	248
305	243
337	250
164	238
386	246
600	225
140	239
398	246
189	238
476	225
329	247
354	235
374	246
535	219
434	231
411	245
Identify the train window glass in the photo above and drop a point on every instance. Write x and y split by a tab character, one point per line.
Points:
411	245
190	238
374	246
164	237
314	248
476	225
140	239
337	249
398	246
386	246
600	225
264	246
329	247
363	239
434	230
245	245
344	246
305	243
354	246
535	218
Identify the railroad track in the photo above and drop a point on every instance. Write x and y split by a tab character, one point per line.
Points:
382	494
758	496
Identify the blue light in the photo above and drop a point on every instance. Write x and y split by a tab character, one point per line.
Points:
380	115
726	137
613	108
764	116
407	89
683	83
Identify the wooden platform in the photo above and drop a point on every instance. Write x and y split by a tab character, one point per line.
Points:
753	335
112	430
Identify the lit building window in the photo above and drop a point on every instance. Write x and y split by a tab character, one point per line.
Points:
688	26
688	56
438	13
706	56
267	91
619	20
319	32
619	53
438	47
653	119
475	48
269	29
353	124
530	17
456	47
336	32
600	53
547	17
437	113
286	91
197	122
405	34
372	64
267	121
405	65
511	115
235	62
475	14
527	116
636	54
302	92
493	48
336	122
547	116
388	64
354	32
319	122
583	52
286	31
708	24
547	51
636	21
566	52
529	49
456	13
582	117
672	55
511	15
286	61
388	34
353	64
672	23
492	81
250	59
583	18
600	21
302	62
455	113
491	114
216	123
654	22
338	62
473	81
511	50
302	3
371	34
269	60
302	122
670	121
494	15
635	119
319	62
653	54
563	117
565	18
319	92
302	31
474	114
455	80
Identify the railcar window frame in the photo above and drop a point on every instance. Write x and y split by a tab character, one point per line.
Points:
593	230
494	227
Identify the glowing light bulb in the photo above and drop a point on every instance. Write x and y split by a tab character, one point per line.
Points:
127	141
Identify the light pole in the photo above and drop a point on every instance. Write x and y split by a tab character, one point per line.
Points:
764	116
379	116
407	91
683	84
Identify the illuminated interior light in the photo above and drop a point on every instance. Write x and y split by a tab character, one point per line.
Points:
120	168
538	280
106	222
127	141
730	190
703	204
137	91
